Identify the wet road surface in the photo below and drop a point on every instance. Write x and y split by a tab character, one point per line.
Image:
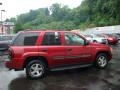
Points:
76	79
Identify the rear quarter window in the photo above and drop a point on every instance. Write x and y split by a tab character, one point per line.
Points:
26	39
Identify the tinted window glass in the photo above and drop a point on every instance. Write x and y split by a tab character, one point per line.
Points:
51	38
27	39
73	39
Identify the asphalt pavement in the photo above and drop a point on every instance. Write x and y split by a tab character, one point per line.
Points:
76	79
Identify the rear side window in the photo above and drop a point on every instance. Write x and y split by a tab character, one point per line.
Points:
51	38
26	39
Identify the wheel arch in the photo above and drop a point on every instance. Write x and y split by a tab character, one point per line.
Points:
99	52
31	58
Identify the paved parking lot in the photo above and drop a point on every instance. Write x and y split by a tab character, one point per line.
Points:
76	79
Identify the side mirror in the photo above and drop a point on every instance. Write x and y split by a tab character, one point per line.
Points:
86	42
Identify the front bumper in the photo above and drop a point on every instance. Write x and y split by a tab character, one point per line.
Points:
110	54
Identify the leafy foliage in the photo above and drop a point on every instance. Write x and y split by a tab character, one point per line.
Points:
90	13
18	27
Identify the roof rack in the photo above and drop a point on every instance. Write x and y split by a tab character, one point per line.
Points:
27	29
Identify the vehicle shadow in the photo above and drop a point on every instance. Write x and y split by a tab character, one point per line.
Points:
75	79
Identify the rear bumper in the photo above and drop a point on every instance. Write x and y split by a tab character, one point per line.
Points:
14	64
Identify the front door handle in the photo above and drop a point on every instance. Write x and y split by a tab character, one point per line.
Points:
44	50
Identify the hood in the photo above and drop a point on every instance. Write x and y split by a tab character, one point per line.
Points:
100	38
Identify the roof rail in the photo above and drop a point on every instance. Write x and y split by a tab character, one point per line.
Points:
27	29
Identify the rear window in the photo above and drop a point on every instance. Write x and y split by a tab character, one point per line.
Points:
26	39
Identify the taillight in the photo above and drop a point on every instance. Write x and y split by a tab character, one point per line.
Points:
10	53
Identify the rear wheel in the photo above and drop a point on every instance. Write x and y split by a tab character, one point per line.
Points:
101	60
35	69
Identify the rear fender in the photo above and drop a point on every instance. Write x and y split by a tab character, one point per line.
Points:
35	54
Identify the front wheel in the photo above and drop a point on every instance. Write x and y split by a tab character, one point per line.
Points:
101	61
35	69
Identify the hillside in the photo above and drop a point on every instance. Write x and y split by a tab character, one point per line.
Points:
90	13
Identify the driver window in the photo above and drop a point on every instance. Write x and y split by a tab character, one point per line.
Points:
73	39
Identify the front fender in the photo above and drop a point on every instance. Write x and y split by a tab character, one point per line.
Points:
103	50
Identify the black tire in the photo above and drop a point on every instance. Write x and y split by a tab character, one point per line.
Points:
101	61
33	72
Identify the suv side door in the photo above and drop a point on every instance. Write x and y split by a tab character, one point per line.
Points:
53	47
77	51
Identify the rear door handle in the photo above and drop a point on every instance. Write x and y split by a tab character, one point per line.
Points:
69	49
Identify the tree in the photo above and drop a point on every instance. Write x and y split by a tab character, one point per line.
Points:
60	12
91	13
18	27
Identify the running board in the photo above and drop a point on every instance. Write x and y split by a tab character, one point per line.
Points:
70	67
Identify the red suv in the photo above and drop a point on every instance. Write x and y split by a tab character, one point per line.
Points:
40	51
